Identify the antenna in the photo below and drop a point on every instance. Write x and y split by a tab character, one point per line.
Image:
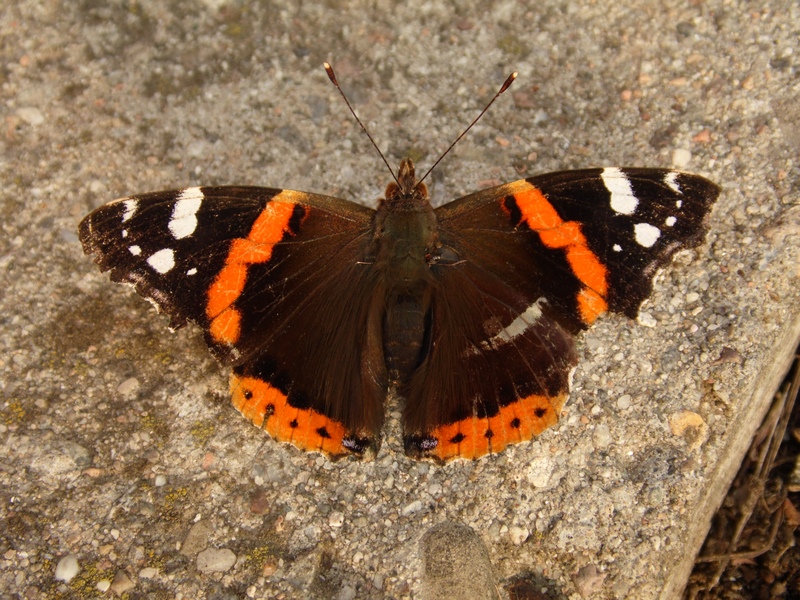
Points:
506	84
332	77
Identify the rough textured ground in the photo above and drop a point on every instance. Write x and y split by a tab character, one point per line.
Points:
751	550
123	467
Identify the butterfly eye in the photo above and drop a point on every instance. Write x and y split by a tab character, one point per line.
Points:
392	190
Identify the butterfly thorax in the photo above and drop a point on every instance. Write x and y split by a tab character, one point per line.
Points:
405	239
405	235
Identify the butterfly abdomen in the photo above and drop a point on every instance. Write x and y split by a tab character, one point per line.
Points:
405	239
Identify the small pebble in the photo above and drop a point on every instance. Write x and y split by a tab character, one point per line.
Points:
129	387
121	584
681	157
215	560
589	580
518	534
539	472
409	509
377	581
31	115
197	538
646	320
690	426
67	568
336	519
346	593
602	436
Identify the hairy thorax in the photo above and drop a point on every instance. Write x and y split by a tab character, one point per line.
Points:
405	242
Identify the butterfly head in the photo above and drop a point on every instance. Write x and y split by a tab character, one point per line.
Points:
406	187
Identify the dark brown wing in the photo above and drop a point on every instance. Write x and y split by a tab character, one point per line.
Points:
525	266
277	281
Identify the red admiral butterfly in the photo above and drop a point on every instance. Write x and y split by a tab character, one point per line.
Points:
469	311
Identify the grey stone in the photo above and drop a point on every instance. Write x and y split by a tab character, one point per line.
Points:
197	538
215	560
455	564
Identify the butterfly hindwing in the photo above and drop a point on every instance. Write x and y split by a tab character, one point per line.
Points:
496	371
531	263
250	265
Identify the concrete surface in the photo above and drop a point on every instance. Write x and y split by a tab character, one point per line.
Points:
123	469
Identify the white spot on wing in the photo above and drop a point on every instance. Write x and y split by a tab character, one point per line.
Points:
158	298
671	221
135	250
571	377
617	248
192	193
124	233
521	323
671	179
162	261
619	186
517	327
192	271
646	234
184	219
678	203
131	204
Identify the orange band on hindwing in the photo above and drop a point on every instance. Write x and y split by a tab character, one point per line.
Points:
269	228
540	216
517	422
268	408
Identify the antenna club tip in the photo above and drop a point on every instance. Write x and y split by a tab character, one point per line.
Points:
509	80
329	71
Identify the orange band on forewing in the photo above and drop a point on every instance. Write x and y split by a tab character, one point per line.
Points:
588	268
269	228
226	326
517	422
541	217
246	251
565	235
536	210
268	408
591	305
271	224
227	287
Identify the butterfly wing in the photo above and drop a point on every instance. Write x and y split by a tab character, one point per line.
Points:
253	266
525	266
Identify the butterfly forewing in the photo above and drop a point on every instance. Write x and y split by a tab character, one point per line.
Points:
634	220
586	241
252	266
140	240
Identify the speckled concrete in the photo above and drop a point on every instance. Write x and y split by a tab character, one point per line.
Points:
119	447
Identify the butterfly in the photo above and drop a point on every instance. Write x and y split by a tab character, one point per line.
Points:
469	312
